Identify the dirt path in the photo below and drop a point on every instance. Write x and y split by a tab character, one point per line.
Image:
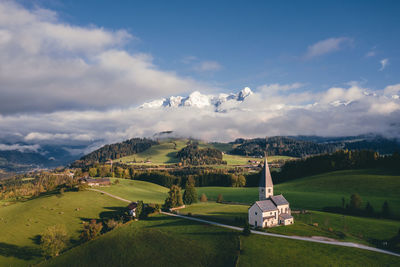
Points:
308	239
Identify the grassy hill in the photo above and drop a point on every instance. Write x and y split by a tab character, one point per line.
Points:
324	190
344	228
21	223
166	241
165	153
138	190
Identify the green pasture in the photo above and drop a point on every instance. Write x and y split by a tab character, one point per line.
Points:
314	223
137	190
168	241
21	223
324	190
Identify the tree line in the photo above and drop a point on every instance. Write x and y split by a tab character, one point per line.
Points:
193	155
115	151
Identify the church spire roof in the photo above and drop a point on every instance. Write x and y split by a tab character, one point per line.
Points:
266	179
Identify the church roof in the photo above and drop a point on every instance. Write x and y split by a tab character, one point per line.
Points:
266	180
279	200
266	205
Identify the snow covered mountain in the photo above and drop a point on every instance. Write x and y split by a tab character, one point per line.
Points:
199	100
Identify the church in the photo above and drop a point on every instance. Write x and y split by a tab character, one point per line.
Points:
270	210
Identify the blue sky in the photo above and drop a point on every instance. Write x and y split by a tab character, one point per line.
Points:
82	70
254	42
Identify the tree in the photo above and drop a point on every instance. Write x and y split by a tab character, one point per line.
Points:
246	229
54	240
355	201
203	198
93	172
219	198
190	194
139	210
174	198
91	230
369	209
385	210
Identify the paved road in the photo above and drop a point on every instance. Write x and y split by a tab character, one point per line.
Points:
308	239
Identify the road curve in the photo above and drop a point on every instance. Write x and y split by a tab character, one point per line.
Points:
308	239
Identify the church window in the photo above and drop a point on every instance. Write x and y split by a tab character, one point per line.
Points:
255	212
269	190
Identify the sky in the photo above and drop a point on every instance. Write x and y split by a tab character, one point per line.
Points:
78	71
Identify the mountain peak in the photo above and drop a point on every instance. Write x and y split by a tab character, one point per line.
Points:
199	100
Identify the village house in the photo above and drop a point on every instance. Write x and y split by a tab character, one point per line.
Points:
270	210
132	209
96	182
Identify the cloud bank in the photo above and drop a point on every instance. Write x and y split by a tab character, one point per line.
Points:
79	85
52	65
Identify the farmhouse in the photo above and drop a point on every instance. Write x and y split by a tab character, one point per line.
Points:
132	209
270	210
96	182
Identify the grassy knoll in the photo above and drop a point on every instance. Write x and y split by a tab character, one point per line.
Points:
324	190
138	190
345	228
21	223
166	241
158	241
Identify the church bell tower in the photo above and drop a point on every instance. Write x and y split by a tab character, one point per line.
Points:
266	188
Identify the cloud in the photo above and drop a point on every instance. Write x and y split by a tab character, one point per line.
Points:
21	148
337	111
370	54
206	66
327	46
384	62
52	66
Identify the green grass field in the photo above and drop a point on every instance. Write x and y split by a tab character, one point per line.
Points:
356	229
166	241
137	190
158	241
165	153
21	223
324	190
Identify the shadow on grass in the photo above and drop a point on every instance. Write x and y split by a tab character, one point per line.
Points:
23	253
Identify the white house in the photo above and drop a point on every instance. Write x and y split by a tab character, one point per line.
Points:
270	210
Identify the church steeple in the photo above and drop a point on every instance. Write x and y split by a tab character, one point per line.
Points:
266	187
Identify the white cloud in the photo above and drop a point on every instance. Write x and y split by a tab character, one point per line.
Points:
327	46
208	66
337	111
370	54
21	148
52	65
384	62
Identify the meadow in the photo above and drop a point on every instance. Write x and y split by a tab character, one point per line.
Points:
137	190
165	153
345	228
167	241
328	189
23	222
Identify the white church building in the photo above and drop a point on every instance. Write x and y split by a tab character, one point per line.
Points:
270	210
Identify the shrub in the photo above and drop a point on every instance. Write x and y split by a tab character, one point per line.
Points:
111	224
116	181
54	240
203	198
246	229
91	230
219	198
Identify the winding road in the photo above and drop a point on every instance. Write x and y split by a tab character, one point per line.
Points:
308	239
